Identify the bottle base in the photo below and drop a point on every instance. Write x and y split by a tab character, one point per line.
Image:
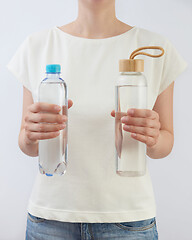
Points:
60	170
130	173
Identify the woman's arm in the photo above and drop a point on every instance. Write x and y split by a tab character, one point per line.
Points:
164	107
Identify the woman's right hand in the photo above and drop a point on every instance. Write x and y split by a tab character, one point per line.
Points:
38	118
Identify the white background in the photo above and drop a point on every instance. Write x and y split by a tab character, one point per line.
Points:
171	176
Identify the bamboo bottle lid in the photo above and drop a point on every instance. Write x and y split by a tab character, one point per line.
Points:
137	65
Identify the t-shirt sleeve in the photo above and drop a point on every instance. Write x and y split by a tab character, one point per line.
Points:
173	65
19	64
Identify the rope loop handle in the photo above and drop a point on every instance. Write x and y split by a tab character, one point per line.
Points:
136	52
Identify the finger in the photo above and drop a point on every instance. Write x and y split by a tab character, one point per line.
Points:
118	115
44	107
145	122
48	107
64	107
43	127
46	117
149	141
143	113
141	130
41	135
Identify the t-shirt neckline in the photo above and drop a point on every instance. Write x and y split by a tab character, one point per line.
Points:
119	36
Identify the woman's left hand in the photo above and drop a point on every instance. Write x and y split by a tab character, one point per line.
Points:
143	124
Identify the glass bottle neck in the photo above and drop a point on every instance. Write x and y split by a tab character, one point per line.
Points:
130	73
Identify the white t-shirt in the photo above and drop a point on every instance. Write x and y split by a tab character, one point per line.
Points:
91	191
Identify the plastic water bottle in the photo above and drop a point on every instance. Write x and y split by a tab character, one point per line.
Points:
53	152
130	92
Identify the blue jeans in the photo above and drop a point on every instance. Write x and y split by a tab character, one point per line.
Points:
43	229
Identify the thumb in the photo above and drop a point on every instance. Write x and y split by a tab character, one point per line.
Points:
113	113
70	103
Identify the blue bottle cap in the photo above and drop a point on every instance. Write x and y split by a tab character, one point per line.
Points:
53	68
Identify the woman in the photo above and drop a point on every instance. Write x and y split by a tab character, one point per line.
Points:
91	201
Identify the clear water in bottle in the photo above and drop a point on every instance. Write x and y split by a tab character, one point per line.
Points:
130	153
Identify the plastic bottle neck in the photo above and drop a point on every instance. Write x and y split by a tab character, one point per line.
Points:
52	75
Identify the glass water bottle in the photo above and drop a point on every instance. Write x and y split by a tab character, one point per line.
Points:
53	152
130	92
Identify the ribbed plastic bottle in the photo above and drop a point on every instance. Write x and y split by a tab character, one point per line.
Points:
53	152
130	92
